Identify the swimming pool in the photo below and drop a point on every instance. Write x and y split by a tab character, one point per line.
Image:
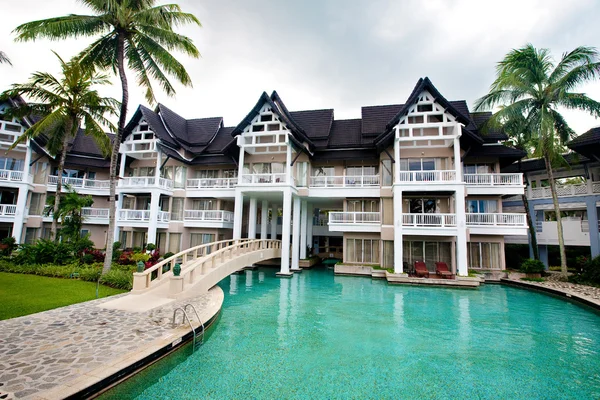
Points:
317	335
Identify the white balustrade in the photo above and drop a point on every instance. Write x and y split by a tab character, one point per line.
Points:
80	182
145	181
8	210
336	217
344	181
427	176
208	215
210	183
89	212
496	219
566	190
12	176
264	178
429	220
493	179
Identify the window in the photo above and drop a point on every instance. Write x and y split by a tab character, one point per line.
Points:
483	255
123	239
363	205
177	211
482	206
207	174
388	254
12	127
230	173
425	107
302	174
428	252
204	204
362	251
478	168
84	233
31	235
180	176
362	171
144	171
197	239
11	164
35	205
175	242
40	172
91	175
422	206
323	171
418	164
387	173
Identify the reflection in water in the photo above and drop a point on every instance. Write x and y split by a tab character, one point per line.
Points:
464	320
248	278
261	276
233	284
399	310
284	290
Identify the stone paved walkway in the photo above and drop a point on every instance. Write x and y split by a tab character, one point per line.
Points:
57	353
589	293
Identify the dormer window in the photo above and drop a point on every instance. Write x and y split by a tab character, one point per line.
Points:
266	118
425	107
143	128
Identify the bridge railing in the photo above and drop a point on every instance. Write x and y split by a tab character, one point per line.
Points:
204	253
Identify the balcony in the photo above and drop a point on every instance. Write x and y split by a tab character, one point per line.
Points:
7	212
211	183
208	219
139	149
424	179
141	184
429	220
91	216
264	179
502	184
81	185
497	223
354	221
565	190
141	218
576	232
345	186
13	176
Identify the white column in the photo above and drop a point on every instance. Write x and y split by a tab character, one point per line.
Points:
27	161
122	165
158	163
398	265
118	206
240	165
288	163
285	232
303	229
274	222
461	237
17	231
309	226
396	159
238	213
296	235
264	219
252	218
153	224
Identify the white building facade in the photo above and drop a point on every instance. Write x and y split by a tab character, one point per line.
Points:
403	183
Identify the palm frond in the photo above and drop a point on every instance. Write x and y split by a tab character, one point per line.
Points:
70	26
4	58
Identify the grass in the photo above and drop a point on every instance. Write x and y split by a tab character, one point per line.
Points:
22	294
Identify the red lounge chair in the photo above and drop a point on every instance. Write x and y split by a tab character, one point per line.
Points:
421	269
441	268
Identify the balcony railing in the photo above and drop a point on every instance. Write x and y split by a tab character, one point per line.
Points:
208	215
493	179
211	183
89	212
566	190
429	220
427	176
8	210
264	178
496	219
145	181
80	183
142	215
336	217
344	181
11	176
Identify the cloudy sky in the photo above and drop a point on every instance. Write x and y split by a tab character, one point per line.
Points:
340	54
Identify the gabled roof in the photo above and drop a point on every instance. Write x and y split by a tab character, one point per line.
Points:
587	144
279	108
491	135
345	133
191	132
538	164
376	118
506	155
316	123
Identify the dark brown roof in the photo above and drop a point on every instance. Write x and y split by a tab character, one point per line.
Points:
375	118
587	144
345	133
316	123
538	164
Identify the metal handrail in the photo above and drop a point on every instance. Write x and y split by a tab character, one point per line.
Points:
185	316
199	321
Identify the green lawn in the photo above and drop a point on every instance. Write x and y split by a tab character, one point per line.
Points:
22	294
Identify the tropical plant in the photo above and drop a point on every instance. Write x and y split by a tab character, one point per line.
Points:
530	83
4	58
69	213
60	106
520	137
136	31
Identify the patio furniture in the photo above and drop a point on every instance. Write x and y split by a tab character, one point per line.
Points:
421	269
441	268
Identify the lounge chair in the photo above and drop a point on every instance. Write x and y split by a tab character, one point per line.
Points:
441	268
421	269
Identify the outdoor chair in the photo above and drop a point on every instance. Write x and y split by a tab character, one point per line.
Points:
441	268
421	269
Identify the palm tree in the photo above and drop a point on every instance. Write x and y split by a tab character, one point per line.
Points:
136	31
530	83
4	58
61	105
69	212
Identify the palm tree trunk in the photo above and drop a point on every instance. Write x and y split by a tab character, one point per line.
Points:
61	167
114	157
532	231
561	239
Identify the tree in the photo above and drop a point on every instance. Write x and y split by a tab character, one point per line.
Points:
136	31
530	83
69	213
520	137
4	58
60	106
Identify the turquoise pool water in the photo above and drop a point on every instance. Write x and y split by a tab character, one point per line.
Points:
323	336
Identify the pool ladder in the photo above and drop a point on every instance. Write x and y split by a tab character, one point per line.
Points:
185	316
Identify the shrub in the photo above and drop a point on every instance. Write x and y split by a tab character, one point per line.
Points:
91	256
167	255
125	258
137	257
45	252
531	266
117	279
590	272
90	274
9	244
150	246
